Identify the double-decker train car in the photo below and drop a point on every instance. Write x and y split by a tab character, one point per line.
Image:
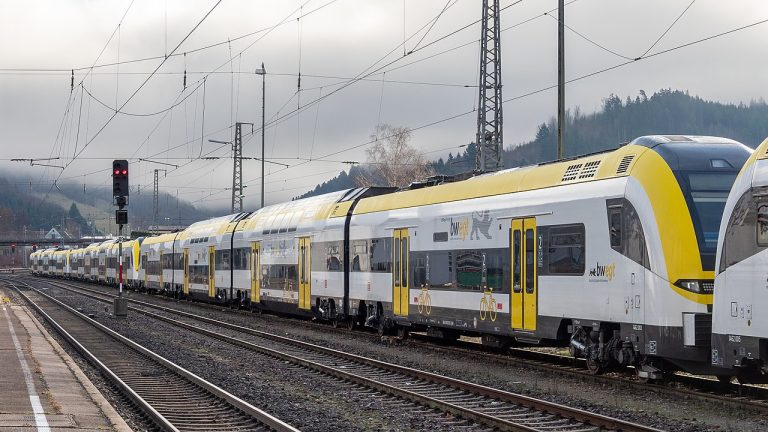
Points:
34	260
77	269
612	254
48	264
91	262
198	245
739	328
151	270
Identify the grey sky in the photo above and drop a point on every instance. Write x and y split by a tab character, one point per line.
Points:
342	39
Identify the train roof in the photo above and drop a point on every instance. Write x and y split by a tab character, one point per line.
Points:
162	238
599	166
288	216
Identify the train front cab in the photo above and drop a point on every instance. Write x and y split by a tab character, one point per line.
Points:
740	324
686	180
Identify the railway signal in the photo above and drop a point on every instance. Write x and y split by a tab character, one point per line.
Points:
120	196
120	182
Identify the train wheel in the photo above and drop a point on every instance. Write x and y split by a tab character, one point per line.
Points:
350	324
594	367
402	333
335	323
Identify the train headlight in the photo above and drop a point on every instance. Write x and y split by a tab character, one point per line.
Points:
697	286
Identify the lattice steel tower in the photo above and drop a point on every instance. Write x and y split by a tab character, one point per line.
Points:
237	173
489	140
156	197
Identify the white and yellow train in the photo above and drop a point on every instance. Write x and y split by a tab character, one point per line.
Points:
740	329
611	253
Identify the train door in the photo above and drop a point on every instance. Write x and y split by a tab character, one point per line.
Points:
145	266
160	264
186	271
211	271
400	282
304	273
524	296
255	272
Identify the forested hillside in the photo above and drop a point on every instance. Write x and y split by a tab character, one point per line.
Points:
81	209
618	121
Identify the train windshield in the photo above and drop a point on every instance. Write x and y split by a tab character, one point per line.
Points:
706	194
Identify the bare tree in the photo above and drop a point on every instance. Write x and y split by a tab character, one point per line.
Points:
391	159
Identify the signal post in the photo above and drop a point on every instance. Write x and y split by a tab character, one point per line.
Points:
120	198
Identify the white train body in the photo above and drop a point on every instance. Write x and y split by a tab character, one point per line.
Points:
612	253
740	326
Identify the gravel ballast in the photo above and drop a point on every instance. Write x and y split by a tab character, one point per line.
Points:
336	407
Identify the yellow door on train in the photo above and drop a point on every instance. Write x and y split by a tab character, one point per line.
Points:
304	273
255	272
524	257
211	271
186	271
400	279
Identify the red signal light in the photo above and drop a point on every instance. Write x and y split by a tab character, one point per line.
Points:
125	172
117	172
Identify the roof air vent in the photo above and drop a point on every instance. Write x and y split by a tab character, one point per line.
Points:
624	164
571	172
589	170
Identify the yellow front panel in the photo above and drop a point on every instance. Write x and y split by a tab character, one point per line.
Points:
676	231
186	271
516	296
530	293
211	271
255	272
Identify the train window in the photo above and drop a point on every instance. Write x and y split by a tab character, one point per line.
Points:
333	257
634	238
381	255
739	241
614	226
222	260
565	249
360	258
397	262
420	269
241	258
516	265
762	223
530	260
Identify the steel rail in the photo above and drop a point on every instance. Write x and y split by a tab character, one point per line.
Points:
263	417
562	411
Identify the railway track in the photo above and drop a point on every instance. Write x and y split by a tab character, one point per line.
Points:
751	397
172	397
483	405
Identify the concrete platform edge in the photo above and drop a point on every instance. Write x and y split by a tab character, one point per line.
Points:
99	399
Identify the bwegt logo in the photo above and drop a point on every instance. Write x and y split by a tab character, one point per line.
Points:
459	228
605	271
